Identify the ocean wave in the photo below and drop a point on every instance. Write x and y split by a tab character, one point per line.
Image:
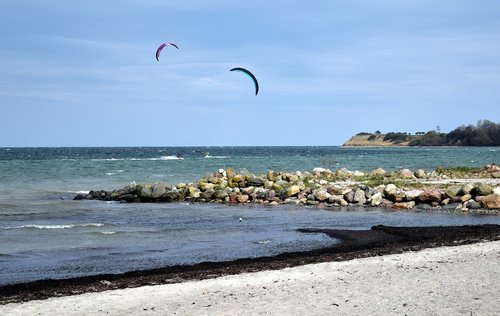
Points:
171	157
38	226
217	157
78	192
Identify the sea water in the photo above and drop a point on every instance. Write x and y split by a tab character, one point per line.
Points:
45	234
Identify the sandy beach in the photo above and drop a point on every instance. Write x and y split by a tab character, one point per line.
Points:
460	280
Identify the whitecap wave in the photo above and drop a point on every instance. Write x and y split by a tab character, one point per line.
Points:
79	192
39	226
217	157
110	173
170	158
108	233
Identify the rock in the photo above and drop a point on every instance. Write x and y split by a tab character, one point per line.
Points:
322	195
343	173
358	173
465	198
129	198
268	184
471	204
207	195
158	190
467	188
292	177
247	190
335	198
412	195
491	201
430	196
311	202
243	198
403	205
256	182
399	196
453	190
271	175
335	190
376	199
292	190
213	180
145	192
378	172
193	192
406	173
424	207
493	168
204	186
453	206
238	178
220	194
445	201
171	194
230	173
496	190
390	189
359	196
343	202
349	196
495	175
420	174
483	189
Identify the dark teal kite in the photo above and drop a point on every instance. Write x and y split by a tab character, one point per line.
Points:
248	73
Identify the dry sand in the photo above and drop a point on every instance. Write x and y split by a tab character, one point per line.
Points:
461	280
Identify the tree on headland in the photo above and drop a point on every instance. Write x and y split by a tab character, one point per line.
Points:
485	133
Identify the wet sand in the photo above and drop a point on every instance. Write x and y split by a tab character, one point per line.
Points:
356	244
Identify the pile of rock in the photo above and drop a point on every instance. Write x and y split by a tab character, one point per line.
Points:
321	187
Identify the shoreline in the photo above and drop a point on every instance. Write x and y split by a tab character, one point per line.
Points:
460	280
355	244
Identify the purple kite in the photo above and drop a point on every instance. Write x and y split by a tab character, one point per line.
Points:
161	47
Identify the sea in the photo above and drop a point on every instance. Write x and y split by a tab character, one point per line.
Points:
44	234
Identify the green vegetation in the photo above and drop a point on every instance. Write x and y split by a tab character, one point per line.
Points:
485	133
464	172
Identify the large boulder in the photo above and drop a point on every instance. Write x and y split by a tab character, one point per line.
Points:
158	190
376	199
359	196
412	195
453	190
193	192
145	191
378	172
403	205
322	195
256	182
420	174
292	190
390	189
430	196
490	201
483	189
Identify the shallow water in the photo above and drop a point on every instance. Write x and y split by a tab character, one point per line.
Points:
44	234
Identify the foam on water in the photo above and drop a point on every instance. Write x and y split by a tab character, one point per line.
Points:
39	226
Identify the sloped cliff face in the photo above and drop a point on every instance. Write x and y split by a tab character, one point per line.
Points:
372	140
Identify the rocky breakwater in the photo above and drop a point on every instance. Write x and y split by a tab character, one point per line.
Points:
475	190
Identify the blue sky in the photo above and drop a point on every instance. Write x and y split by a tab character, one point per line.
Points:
84	73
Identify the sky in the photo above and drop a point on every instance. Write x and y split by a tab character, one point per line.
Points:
84	73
